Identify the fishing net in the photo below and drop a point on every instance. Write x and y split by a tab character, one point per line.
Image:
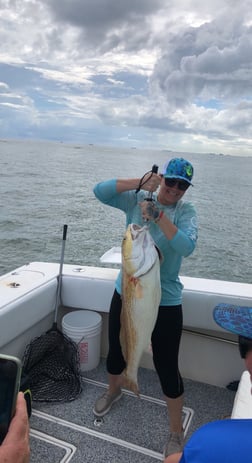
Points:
51	362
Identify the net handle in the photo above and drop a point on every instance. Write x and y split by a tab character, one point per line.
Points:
60	273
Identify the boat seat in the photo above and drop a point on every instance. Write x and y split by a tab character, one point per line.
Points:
242	407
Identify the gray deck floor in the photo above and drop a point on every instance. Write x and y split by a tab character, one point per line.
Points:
135	430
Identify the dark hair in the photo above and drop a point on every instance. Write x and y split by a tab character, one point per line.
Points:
245	345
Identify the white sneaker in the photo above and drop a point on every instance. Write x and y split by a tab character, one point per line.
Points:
105	402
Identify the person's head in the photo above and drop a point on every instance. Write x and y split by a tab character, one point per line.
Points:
238	320
176	178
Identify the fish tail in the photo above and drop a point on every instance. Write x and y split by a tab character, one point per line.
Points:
131	385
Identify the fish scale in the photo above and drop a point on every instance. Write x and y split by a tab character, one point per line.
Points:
141	294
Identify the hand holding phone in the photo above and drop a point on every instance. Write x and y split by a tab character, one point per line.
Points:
10	373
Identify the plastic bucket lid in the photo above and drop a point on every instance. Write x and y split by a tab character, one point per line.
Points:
82	321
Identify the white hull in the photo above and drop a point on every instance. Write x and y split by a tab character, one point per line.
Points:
27	305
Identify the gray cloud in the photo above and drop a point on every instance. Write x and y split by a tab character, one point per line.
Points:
207	62
102	14
168	70
107	24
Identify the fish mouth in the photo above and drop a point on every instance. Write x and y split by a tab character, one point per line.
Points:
136	230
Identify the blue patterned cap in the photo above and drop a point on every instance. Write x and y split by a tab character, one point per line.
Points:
234	318
179	168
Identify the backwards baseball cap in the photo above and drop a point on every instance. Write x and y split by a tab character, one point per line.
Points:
179	168
234	318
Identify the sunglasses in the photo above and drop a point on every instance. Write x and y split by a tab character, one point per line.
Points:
182	185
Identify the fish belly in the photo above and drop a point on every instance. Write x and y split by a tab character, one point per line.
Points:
140	302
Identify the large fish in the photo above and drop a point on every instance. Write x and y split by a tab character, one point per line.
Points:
141	294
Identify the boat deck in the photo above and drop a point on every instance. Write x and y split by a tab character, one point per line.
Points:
135	429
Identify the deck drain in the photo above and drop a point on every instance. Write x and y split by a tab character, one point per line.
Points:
98	422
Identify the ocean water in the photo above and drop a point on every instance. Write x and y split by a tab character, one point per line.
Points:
45	185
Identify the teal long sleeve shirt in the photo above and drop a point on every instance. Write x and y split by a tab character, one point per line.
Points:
182	214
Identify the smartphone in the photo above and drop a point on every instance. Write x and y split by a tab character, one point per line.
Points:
10	374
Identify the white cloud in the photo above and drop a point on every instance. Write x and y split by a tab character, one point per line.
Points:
178	70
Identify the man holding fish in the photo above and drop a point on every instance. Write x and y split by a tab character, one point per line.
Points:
146	305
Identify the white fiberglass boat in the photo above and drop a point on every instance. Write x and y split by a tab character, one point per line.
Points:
209	361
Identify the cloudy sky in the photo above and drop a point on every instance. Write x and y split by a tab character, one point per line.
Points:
173	74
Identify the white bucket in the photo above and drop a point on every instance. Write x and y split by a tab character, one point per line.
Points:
84	328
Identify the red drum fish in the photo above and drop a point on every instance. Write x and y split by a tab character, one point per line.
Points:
141	294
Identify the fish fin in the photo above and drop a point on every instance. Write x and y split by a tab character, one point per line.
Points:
139	290
138	287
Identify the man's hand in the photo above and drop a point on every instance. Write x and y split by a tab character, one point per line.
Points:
15	447
150	211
